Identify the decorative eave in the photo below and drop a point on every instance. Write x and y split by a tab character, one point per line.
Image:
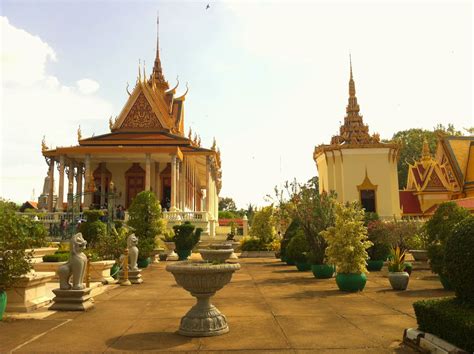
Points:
321	149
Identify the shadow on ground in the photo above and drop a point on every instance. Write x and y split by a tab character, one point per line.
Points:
147	341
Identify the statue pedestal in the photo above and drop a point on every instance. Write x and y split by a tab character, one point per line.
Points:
72	300
134	276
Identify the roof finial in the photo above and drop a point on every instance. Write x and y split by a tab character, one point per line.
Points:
139	71
144	73
352	90
426	153
157	70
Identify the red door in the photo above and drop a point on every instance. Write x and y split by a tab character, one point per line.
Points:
136	184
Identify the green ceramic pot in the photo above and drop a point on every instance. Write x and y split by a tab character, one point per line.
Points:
283	258
374	266
3	303
323	271
445	281
303	267
143	262
290	262
183	254
351	281
114	271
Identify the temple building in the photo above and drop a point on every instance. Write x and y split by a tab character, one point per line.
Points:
446	176
357	166
147	149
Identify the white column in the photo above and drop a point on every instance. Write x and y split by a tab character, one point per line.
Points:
208	184
51	185
157	184
173	182
182	186
79	185
70	186
59	202
147	172
87	183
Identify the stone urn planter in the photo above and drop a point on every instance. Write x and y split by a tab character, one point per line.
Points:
226	246
398	280
172	256
419	255
100	271
48	267
38	253
202	280
216	255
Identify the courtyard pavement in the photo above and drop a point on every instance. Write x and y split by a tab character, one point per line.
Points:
270	307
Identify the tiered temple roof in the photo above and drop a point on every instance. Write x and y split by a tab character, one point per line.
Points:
353	133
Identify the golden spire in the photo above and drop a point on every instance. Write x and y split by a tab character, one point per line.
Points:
157	70
44	147
352	107
426	153
79	133
144	73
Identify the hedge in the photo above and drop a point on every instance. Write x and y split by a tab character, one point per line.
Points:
449	319
57	257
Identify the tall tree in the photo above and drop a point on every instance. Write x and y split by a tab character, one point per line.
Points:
227	204
412	143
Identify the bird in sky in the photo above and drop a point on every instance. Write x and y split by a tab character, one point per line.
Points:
208	7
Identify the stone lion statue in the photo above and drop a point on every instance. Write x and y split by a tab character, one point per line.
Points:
132	241
75	266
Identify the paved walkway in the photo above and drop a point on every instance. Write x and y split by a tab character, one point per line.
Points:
270	308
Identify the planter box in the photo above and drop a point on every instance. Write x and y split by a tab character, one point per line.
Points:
100	271
257	254
38	253
48	267
29	293
419	255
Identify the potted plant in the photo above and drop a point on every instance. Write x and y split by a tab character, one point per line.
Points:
147	222
347	246
109	248
315	212
291	231
297	250
378	234
186	237
15	238
439	229
397	275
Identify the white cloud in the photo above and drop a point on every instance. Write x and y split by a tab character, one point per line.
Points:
36	104
87	86
24	56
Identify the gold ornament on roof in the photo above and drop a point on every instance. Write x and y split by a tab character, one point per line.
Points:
79	133
214	144
111	123
426	153
190	134
44	147
199	141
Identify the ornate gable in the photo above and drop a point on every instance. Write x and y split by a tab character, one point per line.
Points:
141	115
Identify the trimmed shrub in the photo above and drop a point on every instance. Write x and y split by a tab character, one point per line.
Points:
92	231
146	221
254	244
458	259
56	257
186	237
291	231
93	215
449	319
298	248
440	228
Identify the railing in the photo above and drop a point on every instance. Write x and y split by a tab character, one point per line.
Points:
186	215
53	218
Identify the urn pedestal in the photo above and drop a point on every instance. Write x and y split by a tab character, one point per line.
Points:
172	256
72	300
134	276
29	292
202	280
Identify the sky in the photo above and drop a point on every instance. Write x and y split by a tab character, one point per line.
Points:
268	79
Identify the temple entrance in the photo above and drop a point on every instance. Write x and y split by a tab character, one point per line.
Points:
135	182
367	199
166	188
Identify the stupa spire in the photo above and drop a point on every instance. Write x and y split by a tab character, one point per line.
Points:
426	153
157	73
352	106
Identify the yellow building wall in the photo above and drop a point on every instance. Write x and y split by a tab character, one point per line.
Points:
348	171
